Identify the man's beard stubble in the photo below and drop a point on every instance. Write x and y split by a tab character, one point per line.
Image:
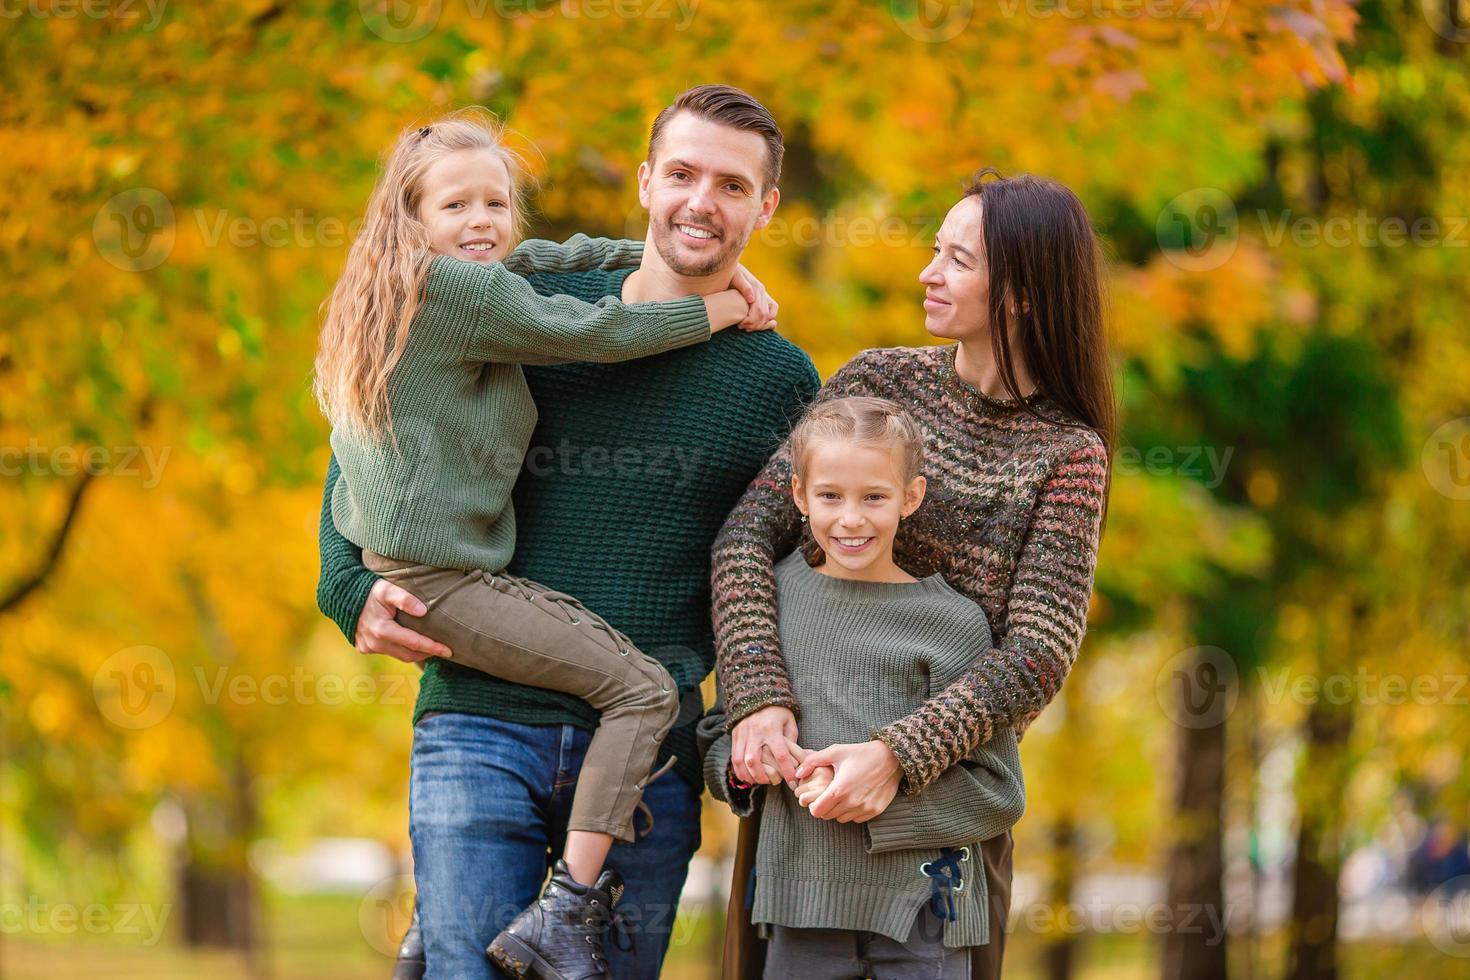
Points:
668	250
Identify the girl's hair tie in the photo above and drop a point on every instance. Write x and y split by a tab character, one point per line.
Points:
423	132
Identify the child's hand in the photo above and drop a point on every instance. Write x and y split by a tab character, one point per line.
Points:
763	309
814	785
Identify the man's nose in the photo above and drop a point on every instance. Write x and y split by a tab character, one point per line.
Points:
701	199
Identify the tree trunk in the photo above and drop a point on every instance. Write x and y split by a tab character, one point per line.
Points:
1314	903
1193	948
1061	950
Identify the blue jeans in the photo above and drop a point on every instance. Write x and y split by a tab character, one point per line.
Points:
488	808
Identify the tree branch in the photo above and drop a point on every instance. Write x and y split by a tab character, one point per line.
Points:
37	578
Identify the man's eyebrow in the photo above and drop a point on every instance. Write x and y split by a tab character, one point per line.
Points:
686	165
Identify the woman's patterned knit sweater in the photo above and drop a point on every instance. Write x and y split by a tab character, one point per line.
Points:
1011	520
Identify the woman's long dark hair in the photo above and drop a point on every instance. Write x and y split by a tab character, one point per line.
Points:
1044	259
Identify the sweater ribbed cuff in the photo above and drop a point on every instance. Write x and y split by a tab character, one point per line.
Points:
342	597
717	779
913	779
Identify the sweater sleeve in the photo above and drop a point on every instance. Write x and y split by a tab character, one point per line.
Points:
577	254
344	582
981	797
509	322
1046	620
763	528
714	745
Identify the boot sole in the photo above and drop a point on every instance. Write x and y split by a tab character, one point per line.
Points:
518	959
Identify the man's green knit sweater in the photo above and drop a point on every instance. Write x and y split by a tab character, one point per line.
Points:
632	469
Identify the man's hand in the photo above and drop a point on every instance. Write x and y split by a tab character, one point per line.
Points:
864	781
768	731
378	632
763	309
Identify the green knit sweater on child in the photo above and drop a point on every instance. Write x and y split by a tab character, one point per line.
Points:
461	411
860	655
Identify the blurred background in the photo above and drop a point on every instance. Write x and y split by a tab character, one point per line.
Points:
1255	769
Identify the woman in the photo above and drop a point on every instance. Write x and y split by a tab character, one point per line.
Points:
1021	424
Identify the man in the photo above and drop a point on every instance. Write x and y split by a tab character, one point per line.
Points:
631	472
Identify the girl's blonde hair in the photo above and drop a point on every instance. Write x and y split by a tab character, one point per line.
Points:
864	421
366	319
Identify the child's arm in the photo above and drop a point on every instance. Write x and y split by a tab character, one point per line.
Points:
577	254
964	805
510	323
973	800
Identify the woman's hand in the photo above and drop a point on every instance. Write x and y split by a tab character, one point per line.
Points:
865	780
770	730
378	632
813	786
763	309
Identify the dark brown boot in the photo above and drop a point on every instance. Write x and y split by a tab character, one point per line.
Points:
559	936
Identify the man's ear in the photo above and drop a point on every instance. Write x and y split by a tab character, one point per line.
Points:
768	207
644	173
914	495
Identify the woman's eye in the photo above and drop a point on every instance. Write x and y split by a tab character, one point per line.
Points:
961	265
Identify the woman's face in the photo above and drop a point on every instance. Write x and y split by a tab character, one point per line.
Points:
466	206
956	281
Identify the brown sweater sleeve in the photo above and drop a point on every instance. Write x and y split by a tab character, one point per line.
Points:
1046	619
763	528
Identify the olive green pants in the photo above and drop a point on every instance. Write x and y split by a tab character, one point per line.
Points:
519	631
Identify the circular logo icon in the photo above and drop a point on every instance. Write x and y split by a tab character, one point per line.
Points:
635	226
932	21
1445	916
400	21
385	913
1197	687
135	688
135	230
1197	230
1446	459
1450	21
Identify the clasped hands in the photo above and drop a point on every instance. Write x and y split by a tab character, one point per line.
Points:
850	782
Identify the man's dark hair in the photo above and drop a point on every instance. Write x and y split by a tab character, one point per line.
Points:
728	106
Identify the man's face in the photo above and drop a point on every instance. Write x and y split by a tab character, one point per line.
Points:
703	194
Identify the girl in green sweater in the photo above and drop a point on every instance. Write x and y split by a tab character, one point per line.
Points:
419	373
865	643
